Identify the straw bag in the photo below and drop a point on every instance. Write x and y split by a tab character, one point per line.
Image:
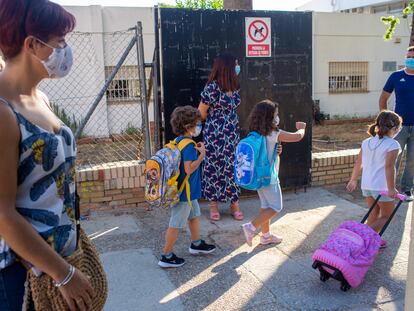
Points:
47	297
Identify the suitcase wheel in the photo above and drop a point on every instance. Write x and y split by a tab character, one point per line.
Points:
324	276
345	287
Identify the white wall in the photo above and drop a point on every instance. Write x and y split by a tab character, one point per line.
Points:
353	37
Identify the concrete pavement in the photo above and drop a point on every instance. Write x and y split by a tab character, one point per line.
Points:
239	277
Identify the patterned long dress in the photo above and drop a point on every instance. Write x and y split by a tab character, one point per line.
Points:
221	136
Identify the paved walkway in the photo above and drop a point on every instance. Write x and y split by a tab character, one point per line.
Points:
239	277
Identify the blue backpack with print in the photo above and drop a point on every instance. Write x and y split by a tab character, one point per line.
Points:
253	169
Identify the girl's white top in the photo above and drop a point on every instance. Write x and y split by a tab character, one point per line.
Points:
374	153
271	144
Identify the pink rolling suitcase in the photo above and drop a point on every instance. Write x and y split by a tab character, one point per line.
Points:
351	250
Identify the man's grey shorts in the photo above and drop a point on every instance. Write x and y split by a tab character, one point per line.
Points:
182	213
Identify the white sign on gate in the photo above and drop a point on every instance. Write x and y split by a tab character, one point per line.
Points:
258	37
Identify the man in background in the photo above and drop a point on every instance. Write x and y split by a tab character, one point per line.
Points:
402	83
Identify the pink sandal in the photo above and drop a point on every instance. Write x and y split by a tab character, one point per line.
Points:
238	215
214	215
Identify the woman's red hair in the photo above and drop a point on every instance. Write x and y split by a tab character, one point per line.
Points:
224	73
39	18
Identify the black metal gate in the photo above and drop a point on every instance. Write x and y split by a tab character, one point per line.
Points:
191	39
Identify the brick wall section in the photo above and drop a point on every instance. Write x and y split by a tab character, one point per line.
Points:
334	167
111	185
121	184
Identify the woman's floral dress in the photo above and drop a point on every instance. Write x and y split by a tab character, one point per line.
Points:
221	135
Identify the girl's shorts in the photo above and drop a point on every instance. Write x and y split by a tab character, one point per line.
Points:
271	197
373	193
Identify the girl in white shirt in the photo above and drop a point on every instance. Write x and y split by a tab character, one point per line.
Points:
264	119
377	159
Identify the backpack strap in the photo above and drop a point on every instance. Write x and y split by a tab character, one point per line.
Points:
181	146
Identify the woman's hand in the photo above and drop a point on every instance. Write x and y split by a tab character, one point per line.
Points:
351	186
201	149
78	293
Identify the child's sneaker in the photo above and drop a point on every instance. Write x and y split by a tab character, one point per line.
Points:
270	239
249	231
171	262
201	248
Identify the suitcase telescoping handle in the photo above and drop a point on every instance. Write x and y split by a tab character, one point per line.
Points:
401	199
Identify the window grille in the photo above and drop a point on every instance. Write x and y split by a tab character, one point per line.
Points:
348	77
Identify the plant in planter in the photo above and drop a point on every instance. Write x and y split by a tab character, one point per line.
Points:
132	130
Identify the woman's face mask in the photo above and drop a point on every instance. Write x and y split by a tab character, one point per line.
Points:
59	63
237	69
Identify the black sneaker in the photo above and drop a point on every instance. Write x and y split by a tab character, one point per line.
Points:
173	262
409	196
203	248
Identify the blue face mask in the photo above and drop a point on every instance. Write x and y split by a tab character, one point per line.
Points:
409	63
237	69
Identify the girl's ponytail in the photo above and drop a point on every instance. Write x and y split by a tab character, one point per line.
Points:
371	129
385	121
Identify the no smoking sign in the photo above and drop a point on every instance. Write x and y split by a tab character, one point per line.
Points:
258	37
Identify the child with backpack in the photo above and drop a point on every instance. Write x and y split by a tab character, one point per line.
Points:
264	121
377	160
186	123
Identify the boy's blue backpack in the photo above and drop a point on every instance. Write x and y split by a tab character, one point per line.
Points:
253	170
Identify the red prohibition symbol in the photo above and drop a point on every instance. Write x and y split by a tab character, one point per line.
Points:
258	31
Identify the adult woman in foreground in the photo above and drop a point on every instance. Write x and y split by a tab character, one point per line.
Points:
37	157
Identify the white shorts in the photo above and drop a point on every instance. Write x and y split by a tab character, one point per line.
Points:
271	197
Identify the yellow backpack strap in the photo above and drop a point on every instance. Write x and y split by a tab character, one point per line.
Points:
184	143
181	146
187	189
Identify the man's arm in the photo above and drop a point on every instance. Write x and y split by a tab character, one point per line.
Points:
384	100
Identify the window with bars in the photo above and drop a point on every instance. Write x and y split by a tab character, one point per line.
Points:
125	87
348	77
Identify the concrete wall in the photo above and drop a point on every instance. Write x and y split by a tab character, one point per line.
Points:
353	37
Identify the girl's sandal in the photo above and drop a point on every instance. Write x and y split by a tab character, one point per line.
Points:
214	214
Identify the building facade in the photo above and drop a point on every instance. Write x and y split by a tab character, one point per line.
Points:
354	6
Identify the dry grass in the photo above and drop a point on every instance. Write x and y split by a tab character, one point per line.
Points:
339	136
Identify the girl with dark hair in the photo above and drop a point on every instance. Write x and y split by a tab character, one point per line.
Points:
264	119
37	157
377	160
219	102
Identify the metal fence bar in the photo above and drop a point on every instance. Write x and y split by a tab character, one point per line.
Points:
144	102
156	90
104	88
